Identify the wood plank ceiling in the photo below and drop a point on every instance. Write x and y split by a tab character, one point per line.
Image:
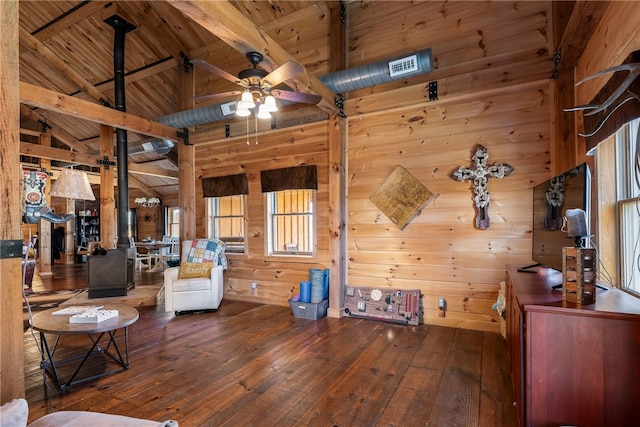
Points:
66	47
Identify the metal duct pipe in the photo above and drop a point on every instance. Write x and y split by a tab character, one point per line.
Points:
121	27
155	145
373	74
199	116
380	72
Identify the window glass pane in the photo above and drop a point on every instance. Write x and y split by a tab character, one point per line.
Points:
291	222
628	191
629	244
173	222
227	221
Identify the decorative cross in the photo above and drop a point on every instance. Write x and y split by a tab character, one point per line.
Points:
480	175
105	162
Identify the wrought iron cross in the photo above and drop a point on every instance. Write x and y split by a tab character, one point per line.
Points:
480	174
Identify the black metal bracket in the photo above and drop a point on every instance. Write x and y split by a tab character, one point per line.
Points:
44	126
105	162
10	249
274	125
557	56
339	101
184	134
187	66
343	12
433	91
227	131
105	103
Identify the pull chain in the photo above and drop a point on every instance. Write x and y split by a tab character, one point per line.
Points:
248	130
256	121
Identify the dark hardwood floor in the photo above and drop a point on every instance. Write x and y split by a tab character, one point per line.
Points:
256	365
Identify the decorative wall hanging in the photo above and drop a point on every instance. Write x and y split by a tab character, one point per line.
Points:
617	103
480	174
401	197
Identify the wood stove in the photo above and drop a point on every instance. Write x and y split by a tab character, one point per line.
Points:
112	274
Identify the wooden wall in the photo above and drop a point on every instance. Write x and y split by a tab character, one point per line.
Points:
440	252
278	277
493	71
493	68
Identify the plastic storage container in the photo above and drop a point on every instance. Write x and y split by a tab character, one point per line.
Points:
309	310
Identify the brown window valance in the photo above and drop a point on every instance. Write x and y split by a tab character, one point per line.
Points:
294	178
625	108
229	185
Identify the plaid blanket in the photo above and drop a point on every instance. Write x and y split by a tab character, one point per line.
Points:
203	250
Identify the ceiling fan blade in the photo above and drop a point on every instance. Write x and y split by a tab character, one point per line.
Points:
215	70
217	95
305	98
283	73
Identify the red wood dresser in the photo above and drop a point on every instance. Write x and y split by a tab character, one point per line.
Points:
572	364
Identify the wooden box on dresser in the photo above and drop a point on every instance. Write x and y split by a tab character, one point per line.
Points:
572	364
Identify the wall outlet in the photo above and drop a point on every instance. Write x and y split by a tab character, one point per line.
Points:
254	285
442	307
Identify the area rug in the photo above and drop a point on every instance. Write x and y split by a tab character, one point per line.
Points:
139	296
39	301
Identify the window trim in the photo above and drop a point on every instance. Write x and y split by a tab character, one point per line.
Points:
210	224
268	240
167	222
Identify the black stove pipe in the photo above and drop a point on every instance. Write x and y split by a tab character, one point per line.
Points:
121	27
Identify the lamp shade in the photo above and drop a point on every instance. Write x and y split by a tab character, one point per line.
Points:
242	112
246	102
270	104
263	112
72	184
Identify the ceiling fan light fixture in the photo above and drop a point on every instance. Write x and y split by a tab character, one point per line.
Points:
246	101
270	104
242	112
263	112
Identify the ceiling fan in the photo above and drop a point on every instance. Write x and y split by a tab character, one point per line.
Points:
258	82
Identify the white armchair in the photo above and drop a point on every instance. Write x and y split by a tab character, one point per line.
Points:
190	286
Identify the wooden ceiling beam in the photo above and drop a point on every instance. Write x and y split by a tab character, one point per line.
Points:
58	133
156	28
227	23
29	42
135	76
143	169
136	183
64	104
584	19
84	10
51	153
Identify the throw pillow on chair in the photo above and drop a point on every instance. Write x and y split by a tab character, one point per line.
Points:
191	270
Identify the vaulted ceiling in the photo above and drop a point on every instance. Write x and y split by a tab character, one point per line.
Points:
67	48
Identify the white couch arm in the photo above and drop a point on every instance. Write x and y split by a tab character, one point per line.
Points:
170	276
217	283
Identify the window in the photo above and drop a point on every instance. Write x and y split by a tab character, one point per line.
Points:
227	222
291	222
172	226
628	205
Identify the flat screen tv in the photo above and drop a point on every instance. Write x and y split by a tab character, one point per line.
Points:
551	199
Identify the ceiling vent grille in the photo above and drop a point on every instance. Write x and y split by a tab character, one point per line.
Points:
228	108
402	66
